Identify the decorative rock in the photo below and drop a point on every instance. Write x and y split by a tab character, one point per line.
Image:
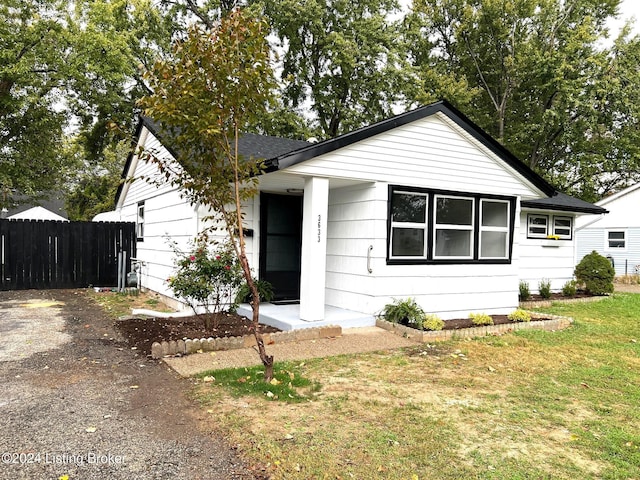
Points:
165	348
173	347
180	347
156	350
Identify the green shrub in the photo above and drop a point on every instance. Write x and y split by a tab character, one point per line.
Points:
544	287
519	315
432	322
596	273
265	292
481	319
405	312
524	294
570	288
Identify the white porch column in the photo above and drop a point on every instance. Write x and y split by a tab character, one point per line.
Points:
314	248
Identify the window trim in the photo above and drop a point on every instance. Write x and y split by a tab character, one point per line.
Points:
140	221
430	232
531	216
607	240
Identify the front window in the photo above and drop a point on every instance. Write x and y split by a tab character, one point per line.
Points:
453	227
437	227
494	229
408	224
616	240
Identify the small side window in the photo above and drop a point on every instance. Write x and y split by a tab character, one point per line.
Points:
563	227
537	226
616	240
140	222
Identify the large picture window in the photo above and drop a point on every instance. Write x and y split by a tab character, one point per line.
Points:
428	226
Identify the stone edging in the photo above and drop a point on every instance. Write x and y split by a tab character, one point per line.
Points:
187	346
556	323
548	303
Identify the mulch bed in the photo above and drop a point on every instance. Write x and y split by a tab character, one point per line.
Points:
558	296
459	323
141	333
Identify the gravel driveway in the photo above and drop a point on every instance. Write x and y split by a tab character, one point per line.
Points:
75	401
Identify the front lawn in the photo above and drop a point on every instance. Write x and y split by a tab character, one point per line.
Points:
529	405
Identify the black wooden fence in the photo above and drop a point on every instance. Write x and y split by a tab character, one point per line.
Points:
36	254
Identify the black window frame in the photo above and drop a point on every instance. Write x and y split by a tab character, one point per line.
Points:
431	229
608	246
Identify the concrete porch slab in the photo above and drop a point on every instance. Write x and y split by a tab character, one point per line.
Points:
287	317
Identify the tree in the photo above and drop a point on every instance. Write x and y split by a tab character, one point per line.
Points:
535	75
341	60
68	69
216	84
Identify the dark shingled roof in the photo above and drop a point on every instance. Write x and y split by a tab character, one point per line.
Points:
562	201
249	144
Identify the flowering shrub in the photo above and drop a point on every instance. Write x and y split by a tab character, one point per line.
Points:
206	279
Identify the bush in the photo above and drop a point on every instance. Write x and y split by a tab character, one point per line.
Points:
432	322
265	292
206	278
596	273
519	315
524	294
544	287
481	319
405	312
570	288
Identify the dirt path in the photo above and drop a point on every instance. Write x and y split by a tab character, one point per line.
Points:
76	401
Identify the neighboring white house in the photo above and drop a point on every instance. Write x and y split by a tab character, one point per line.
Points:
615	235
423	205
37	213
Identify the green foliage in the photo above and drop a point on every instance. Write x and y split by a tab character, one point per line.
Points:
524	294
206	278
432	322
537	77
481	319
67	64
544	288
287	385
405	312
596	273
519	315
570	288
265	292
341	58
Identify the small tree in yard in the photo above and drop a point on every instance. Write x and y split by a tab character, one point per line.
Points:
216	84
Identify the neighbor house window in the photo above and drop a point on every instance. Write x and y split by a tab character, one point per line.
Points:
562	227
616	240
453	227
427	226
494	228
408	224
140	222
537	226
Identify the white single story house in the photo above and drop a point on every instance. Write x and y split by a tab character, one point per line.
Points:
615	235
424	205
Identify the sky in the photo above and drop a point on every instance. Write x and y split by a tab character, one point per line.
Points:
628	9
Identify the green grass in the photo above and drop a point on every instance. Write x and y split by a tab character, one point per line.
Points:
528	405
288	385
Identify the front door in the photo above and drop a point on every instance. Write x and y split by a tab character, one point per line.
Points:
281	243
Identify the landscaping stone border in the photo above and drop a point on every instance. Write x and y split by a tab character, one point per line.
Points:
188	346
556	322
548	303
